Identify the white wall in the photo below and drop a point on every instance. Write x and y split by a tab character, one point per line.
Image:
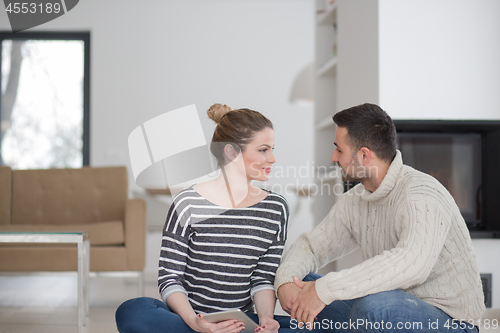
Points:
149	57
440	59
358	54
487	252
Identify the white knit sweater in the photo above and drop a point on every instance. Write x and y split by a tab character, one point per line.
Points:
412	237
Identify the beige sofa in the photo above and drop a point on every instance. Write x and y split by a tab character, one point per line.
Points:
87	199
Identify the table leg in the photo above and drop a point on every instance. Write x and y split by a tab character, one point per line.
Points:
86	281
80	286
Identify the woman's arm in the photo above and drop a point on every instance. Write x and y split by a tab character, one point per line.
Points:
264	272
173	251
264	296
265	301
178	303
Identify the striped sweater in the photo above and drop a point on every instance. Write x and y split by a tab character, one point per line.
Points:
220	257
412	237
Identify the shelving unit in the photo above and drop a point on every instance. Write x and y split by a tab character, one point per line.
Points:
328	68
328	15
325	107
331	57
325	123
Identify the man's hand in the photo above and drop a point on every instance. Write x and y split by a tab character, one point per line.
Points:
287	294
307	305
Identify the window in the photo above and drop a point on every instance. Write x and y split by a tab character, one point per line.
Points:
44	107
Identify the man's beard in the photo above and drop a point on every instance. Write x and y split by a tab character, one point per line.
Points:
354	172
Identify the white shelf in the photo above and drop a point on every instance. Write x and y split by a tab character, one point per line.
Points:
328	16
332	175
325	123
328	68
327	179
326	90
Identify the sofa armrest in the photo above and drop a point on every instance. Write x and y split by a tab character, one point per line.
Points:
135	234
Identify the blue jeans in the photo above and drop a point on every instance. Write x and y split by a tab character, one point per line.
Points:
149	315
389	311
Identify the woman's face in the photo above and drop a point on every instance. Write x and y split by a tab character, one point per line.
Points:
258	155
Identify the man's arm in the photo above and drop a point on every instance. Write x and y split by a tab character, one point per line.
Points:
330	240
409	263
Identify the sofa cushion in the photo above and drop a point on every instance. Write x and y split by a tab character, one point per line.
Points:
5	194
68	196
101	233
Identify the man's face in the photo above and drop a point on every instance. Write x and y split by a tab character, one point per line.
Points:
346	159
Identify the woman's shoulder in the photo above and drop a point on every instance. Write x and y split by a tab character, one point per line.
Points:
276	198
185	195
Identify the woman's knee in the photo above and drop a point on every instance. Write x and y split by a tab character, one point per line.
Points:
131	305
127	313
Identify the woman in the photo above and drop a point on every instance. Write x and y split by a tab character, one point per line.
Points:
222	240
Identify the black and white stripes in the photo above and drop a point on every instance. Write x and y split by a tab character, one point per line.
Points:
221	257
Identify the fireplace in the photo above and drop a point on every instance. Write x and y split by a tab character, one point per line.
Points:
465	157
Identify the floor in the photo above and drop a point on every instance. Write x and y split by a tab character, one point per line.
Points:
47	303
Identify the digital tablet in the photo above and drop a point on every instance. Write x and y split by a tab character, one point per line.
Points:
239	315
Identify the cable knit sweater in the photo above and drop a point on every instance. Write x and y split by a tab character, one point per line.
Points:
412	237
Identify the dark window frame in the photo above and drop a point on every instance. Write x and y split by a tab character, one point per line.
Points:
82	36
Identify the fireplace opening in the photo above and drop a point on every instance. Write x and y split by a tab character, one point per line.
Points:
464	156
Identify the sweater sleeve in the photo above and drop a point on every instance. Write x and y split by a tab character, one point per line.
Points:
329	241
409	263
173	252
264	273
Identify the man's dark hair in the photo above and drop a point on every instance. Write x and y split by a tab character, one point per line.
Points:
371	127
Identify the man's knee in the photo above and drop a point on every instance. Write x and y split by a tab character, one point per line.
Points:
312	277
385	304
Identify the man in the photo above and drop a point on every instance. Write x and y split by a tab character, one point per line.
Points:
419	271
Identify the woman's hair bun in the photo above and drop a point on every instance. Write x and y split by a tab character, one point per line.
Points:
217	111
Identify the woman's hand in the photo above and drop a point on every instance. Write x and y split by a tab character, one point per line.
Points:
179	304
228	326
265	301
267	325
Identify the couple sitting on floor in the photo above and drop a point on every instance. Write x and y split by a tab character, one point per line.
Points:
223	241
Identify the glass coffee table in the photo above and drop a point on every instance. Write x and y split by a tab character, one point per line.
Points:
83	244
